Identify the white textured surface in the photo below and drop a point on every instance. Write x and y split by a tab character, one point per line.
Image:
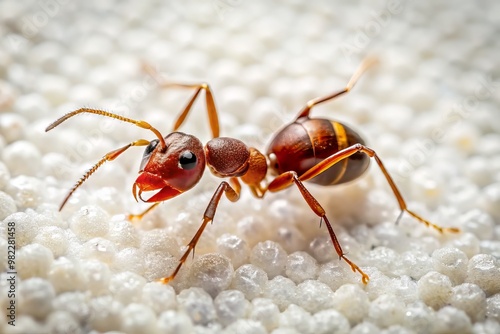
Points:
429	109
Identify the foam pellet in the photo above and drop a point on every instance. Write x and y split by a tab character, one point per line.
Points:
296	317
66	275
281	290
212	272
100	249
126	287
365	328
301	266
138	318
35	297
198	305
269	256
230	305
452	320
352	302
420	318
22	158
174	322
451	262
97	274
250	280
12	128
7	205
60	322
484	270
34	260
159	297
245	326
54	238
265	312
89	222
330	321
75	303
105	313
234	248
493	307
386	311
435	289
314	296
470	299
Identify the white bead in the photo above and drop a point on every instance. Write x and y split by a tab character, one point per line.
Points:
7	205
282	291
33	260
12	127
198	305
477	222
212	272
138	318
123	234
234	248
264	311
314	296
245	326
100	249
250	280
450	262
365	328
35	297
470	299
27	191
420	318
30	107
126	287
66	275
62	322
435	289
174	322
22	157
386	310
330	321
230	305
296	317
269	256
452	320
75	303
489	199
484	270
300	266
97	274
159	297
352	302
89	222
106	313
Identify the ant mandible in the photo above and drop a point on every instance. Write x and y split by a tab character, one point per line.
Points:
317	150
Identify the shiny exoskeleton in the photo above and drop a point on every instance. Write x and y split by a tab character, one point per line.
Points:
317	150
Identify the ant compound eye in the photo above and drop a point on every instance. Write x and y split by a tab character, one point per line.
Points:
187	160
150	148
147	153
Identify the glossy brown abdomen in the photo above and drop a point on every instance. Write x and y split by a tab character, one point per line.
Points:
304	143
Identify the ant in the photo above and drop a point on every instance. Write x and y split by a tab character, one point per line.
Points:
317	150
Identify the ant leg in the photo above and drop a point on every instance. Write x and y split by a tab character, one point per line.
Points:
233	195
139	123
286	179
108	157
346	153
209	100
367	63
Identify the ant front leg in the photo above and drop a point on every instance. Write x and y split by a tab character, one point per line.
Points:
233	195
286	179
346	153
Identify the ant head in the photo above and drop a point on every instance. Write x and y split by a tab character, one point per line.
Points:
172	169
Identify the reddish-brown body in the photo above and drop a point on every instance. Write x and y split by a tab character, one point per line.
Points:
308	141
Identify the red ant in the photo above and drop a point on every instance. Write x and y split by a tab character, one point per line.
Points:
318	150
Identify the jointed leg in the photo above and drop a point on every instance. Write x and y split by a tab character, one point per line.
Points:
108	157
368	62
286	179
233	195
138	216
209	100
346	153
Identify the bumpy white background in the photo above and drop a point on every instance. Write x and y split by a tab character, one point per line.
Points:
430	109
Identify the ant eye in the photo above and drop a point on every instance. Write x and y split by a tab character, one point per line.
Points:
152	145
147	153
187	160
